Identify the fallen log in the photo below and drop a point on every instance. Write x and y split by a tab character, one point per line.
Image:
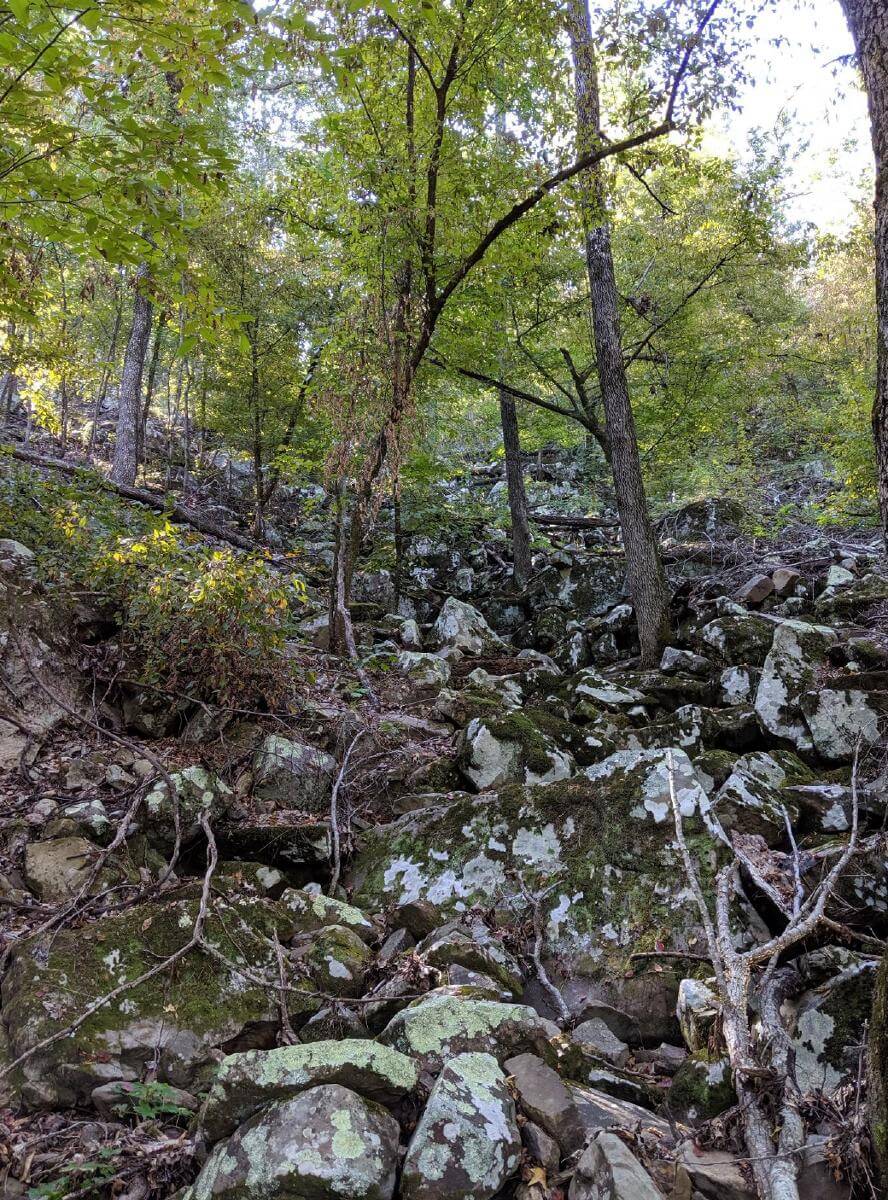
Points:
560	521
179	513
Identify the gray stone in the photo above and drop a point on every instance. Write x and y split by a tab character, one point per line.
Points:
325	1144
541	1148
198	793
475	950
464	627
57	869
545	1099
425	670
314	910
293	773
597	1037
466	1145
697	1009
608	1170
337	958
246	1082
713	1173
755	590
675	659
786	580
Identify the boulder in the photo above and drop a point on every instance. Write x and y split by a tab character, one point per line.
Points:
591	691
293	774
425	670
314	910
703	520
702	1087
462	626
475	950
598	1039
755	590
697	1009
739	638
327	1143
248	1081
466	1145
57	869
608	1170
436	1027
337	959
545	1099
786	580
198	793
828	1026
686	661
751	800
510	749
793	704
176	1020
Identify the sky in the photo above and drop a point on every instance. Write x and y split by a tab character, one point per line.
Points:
801	78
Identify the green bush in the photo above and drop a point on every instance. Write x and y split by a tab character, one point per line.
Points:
204	622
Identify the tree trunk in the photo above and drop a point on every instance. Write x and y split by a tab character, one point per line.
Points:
521	555
151	381
868	22
106	373
647	582
126	461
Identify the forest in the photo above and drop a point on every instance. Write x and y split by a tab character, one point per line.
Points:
444	600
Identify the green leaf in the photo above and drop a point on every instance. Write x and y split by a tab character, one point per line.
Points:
20	9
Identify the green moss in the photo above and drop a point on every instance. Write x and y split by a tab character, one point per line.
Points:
878	1067
702	1086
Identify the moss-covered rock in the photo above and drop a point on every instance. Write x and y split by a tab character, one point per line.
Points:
338	960
180	1016
738	638
702	1087
510	749
313	910
246	1082
198	792
466	1145
829	1023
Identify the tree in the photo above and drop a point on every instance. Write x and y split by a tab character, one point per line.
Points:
868	22
129	407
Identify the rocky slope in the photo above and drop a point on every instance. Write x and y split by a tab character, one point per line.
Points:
446	947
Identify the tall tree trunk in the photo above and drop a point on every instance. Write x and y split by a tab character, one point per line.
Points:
521	556
647	581
868	22
125	464
151	381
109	367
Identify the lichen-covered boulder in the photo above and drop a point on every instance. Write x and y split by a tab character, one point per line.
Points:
466	1145
739	638
58	868
793	704
246	1082
462	626
505	689
828	1022
293	773
177	1018
425	670
314	910
338	960
475	950
198	792
510	749
752	800
591	691
327	1143
608	1170
438	1026
605	841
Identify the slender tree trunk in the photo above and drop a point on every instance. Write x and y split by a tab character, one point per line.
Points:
125	464
647	582
258	493
151	381
868	22
521	555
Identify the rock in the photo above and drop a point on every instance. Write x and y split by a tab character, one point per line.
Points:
437	1027
846	602
198	793
702	1087
742	637
14	556
284	838
425	670
600	1111
608	1170
248	1081
686	661
541	1148
175	1019
294	774
837	577
510	749
545	1099
466	1145
703	520
736	685
828	1027
92	817
785	580
338	960
755	590
314	910
792	704
751	799
505	689
399	941
57	869
697	1009
247	876
596	1037
462	626
419	917
475	950
409	635
713	1173
645	776
111	1100
151	715
326	1143
591	690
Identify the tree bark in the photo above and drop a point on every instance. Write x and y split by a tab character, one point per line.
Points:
868	22
522	565
647	581
151	381
126	458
